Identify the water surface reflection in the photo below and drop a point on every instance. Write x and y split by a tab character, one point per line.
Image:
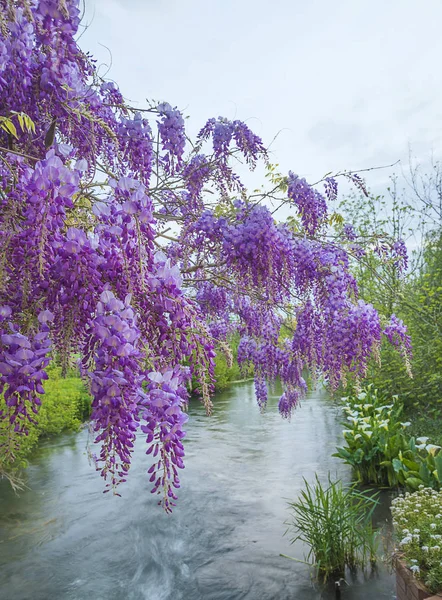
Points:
64	540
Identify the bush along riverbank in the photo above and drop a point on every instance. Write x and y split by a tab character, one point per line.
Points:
382	452
379	449
65	406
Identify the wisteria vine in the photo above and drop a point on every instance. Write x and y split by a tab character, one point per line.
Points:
125	244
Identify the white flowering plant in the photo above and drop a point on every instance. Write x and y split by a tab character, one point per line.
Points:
374	437
379	449
417	522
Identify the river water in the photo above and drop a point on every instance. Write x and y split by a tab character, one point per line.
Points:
63	539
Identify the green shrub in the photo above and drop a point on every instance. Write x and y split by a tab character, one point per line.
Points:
421	466
225	374
380	450
227	369
375	437
336	524
65	405
417	522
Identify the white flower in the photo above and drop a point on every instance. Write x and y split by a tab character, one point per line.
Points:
433	525
432	448
357	436
406	540
425	548
421	447
415	568
406	424
368	433
435	548
422	440
416	530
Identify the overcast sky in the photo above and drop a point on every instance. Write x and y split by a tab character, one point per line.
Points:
347	84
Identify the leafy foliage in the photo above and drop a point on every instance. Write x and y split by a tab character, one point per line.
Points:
336	524
66	406
379	448
416	298
375	437
226	365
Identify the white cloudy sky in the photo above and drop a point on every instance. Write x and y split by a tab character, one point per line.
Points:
348	84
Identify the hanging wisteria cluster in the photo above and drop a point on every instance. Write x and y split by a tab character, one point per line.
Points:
122	243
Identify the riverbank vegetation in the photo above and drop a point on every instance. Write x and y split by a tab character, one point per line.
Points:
335	523
66	406
415	214
380	449
417	521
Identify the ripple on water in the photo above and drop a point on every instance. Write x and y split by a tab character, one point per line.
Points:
62	539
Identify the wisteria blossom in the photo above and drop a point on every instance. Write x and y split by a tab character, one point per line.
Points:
127	244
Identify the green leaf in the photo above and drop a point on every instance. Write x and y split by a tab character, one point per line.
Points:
9	127
397	465
410	464
438	464
413	482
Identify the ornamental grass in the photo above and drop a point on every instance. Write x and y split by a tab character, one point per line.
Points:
335	522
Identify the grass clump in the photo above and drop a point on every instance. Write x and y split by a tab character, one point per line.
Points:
335	522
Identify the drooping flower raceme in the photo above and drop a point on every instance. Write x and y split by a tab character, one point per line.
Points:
123	242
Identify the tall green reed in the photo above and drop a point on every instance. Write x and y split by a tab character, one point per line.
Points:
335	522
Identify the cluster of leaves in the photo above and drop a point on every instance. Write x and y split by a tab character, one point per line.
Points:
417	521
374	437
226	369
379	448
417	298
335	522
66	406
422	394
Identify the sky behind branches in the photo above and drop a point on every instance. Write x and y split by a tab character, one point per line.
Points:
343	85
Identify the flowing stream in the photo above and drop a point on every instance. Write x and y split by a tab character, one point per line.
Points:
63	539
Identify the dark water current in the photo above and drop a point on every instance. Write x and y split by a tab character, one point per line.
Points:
62	539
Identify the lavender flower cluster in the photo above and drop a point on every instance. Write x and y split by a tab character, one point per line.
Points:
86	266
